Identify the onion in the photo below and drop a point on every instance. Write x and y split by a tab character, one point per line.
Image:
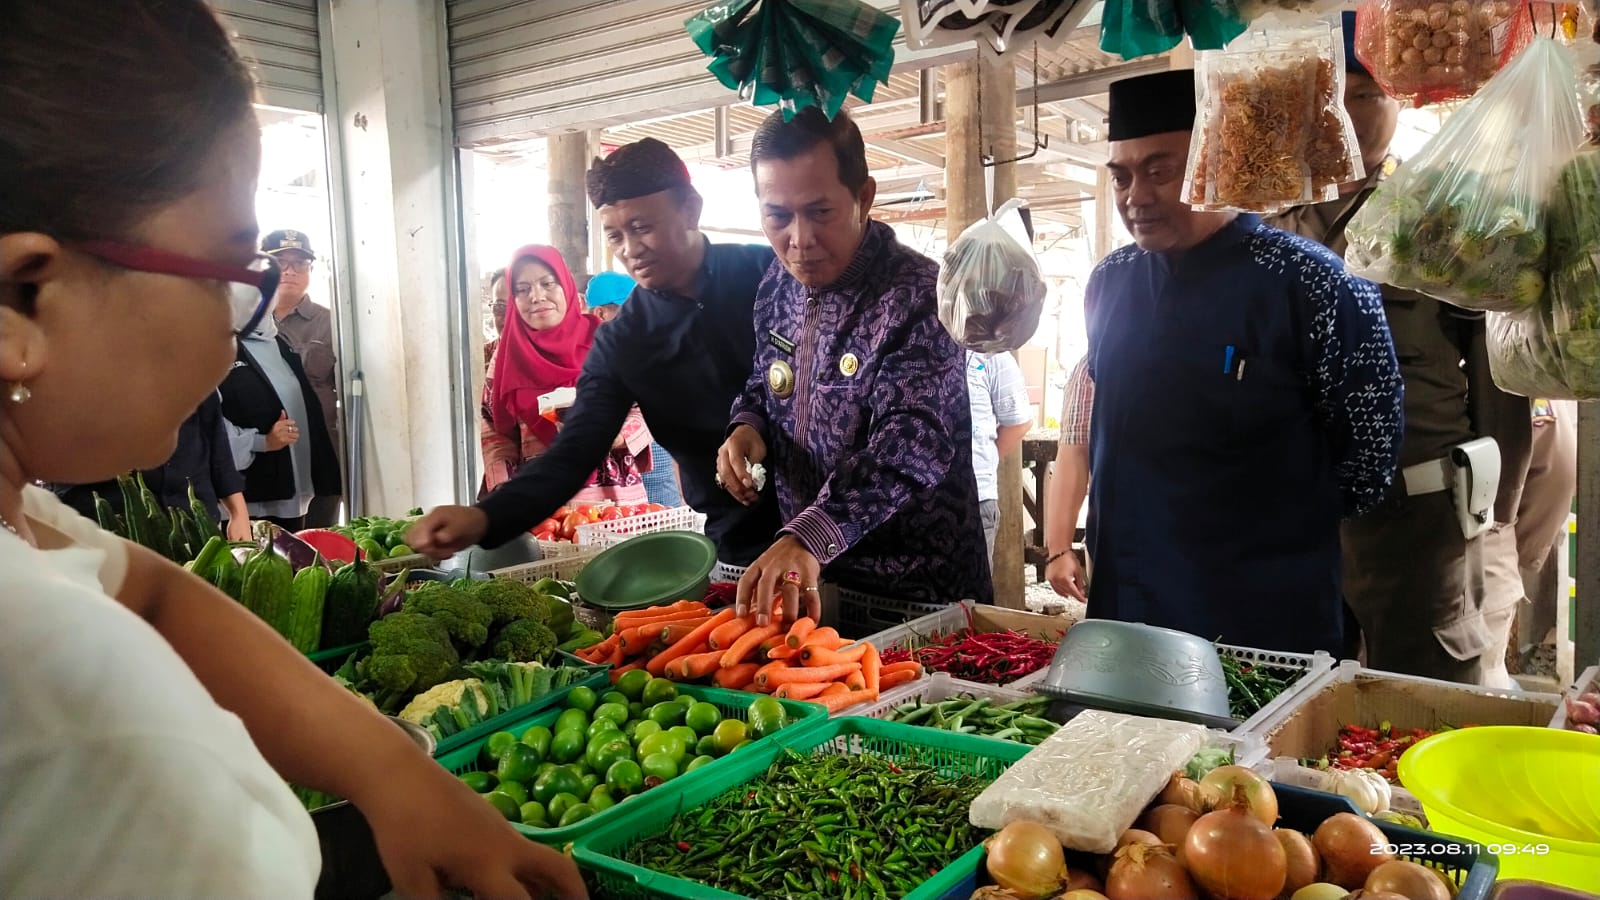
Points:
1407	879
1146	872
1027	860
1303	863
1350	848
1235	857
1136	836
1084	880
1082	894
1170	823
1374	895
1181	791
1226	785
1322	890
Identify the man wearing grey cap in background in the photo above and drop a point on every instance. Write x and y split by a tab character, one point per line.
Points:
1246	399
1424	597
308	327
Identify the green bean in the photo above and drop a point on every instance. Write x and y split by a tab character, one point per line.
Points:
1018	721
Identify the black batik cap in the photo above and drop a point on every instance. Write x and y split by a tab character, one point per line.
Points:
634	170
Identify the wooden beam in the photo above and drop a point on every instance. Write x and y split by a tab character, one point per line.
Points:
908	151
568	207
1092	82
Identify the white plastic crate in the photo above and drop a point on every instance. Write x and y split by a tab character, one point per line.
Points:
399	563
1286	770
561	568
723	573
932	689
920	632
559	549
1588	681
609	534
1310	666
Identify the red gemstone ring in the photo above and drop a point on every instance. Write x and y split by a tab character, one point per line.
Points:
791	577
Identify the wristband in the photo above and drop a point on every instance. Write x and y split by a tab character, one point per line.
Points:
1055	556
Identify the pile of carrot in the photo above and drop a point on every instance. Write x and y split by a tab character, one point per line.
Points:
687	641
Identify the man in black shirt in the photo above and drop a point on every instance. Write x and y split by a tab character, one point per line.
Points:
681	349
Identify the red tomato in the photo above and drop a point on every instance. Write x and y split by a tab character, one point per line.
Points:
547	536
561	513
655	507
610	513
569	524
592	514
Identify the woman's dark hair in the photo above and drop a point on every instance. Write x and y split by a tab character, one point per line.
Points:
111	108
780	140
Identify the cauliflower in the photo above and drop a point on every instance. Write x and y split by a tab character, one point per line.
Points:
447	696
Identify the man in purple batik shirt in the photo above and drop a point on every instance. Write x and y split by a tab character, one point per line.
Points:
857	403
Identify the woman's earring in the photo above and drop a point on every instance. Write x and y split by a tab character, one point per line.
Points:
18	393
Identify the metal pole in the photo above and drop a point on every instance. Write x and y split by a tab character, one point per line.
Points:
1586	611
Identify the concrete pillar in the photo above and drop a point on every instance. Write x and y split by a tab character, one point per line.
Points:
980	95
401	305
568	155
1586	609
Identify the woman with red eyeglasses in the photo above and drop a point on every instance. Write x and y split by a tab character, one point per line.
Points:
151	722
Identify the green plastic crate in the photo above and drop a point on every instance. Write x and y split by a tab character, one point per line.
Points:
331	659
803	717
597	680
949	753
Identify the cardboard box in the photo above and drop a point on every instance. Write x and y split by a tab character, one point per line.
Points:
1349	694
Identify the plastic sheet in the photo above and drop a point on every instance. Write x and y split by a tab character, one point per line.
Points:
1464	221
1430	51
999	27
1089	781
990	290
1272	131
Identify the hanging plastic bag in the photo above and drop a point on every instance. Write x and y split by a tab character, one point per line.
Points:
1134	28
1297	13
1430	51
1272	131
1211	24
990	290
1464	221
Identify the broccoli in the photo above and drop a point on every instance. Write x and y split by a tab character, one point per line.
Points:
410	652
524	641
510	601
462	615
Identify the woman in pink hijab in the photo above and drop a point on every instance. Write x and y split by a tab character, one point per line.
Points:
543	342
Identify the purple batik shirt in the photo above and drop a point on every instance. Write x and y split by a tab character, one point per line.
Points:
871	454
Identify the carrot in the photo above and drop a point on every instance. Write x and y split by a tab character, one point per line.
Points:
782	653
617	658
619	670
673	632
636	640
856	681
890	679
824	636
770	644
642	621
746	644
813	655
687	643
909	665
838	687
836	702
759	680
871	668
808	673
799	691
656	612
798	631
726	634
737	678
698	665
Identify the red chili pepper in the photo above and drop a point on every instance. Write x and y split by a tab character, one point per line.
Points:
683	847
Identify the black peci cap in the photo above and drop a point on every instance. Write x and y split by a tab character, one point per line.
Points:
1152	104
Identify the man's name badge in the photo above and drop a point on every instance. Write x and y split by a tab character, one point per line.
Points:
780	342
780	378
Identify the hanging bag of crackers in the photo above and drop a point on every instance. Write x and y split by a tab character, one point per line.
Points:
1430	51
1272	131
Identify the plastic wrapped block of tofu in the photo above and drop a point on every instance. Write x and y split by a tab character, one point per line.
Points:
1089	781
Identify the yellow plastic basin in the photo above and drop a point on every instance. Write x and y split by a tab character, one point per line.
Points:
1530	796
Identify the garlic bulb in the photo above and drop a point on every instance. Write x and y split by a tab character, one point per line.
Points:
1368	789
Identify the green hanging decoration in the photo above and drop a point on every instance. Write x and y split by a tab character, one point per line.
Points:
796	53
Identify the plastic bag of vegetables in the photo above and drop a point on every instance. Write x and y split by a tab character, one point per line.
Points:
1464	221
990	290
1554	351
1272	130
1430	51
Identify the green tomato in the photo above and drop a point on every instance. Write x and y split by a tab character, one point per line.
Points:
699	762
614	696
538	737
615	712
582	697
624	778
667	713
575	814
481	782
498	743
644	729
515	789
520	763
686	734
560	803
661	766
534	815
657	690
505	804
569	745
702	717
572	718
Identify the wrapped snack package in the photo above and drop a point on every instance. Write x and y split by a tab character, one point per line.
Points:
1272	130
1090	780
1430	51
998	26
1464	221
1135	28
990	290
1287	12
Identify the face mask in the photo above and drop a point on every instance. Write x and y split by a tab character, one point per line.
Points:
245	299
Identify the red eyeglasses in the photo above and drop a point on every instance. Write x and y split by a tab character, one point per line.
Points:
263	274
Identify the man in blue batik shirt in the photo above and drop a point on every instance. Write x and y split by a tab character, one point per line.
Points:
1247	398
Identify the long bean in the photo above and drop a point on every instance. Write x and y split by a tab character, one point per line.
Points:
1021	720
821	828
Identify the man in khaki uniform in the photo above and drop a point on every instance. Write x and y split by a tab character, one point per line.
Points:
308	327
1415	584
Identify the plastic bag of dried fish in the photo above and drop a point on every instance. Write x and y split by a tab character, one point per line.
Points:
1466	220
1272	130
990	290
1430	51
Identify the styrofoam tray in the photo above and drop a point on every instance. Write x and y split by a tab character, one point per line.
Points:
954	617
1588	681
